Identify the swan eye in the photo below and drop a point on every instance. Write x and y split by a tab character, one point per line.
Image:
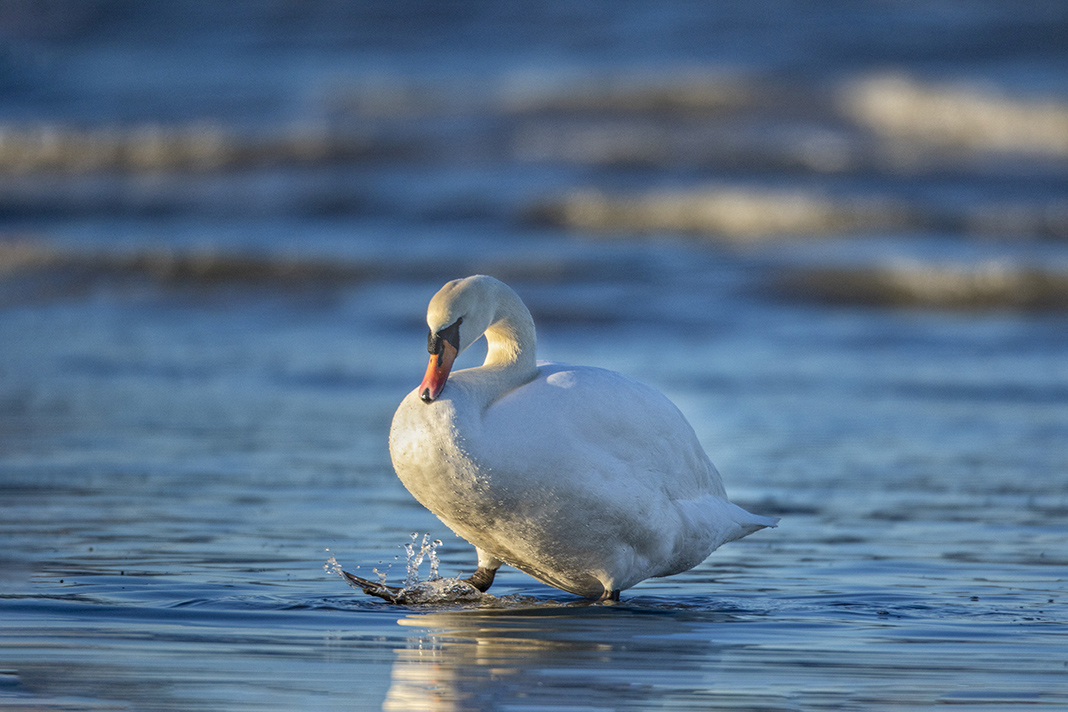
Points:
450	333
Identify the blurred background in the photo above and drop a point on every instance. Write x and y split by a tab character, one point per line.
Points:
299	129
835	233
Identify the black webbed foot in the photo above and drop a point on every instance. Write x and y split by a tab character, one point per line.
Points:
374	588
481	580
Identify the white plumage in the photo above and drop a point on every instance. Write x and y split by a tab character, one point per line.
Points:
578	476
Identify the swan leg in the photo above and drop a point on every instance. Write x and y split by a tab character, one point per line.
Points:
488	564
610	595
482	579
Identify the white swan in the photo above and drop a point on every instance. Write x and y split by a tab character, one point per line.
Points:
578	476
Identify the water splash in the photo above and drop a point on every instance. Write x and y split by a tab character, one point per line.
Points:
332	566
442	590
427	549
433	556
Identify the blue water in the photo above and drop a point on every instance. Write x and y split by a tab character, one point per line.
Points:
180	456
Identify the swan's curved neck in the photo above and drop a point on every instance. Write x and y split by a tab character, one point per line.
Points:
512	343
510	336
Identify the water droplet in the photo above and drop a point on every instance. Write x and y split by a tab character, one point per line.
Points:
332	566
434	562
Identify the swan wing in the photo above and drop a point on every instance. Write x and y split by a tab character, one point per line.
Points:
586	465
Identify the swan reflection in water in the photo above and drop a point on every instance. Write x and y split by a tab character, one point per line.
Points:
582	657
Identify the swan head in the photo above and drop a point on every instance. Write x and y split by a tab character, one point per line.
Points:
443	346
458	315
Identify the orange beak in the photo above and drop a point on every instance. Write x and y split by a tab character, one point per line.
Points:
437	372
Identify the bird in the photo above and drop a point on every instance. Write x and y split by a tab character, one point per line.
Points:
582	478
